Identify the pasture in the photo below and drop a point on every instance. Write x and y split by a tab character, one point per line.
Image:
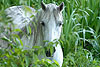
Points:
79	40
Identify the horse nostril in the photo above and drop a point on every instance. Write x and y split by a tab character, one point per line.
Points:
48	53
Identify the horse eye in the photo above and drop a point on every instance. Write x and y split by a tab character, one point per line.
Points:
60	24
43	24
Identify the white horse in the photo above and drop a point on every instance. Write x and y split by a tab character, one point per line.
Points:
48	21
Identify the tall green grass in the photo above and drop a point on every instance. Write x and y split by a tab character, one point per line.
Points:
80	37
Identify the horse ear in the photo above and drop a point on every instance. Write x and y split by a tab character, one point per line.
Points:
61	6
43	6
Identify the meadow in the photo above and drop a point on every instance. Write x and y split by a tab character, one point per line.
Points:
80	39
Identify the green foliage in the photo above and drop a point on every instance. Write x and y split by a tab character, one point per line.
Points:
17	57
80	37
81	58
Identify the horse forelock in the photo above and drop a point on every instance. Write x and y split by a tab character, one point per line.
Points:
51	10
51	7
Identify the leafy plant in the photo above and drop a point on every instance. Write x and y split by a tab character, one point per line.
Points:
80	37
